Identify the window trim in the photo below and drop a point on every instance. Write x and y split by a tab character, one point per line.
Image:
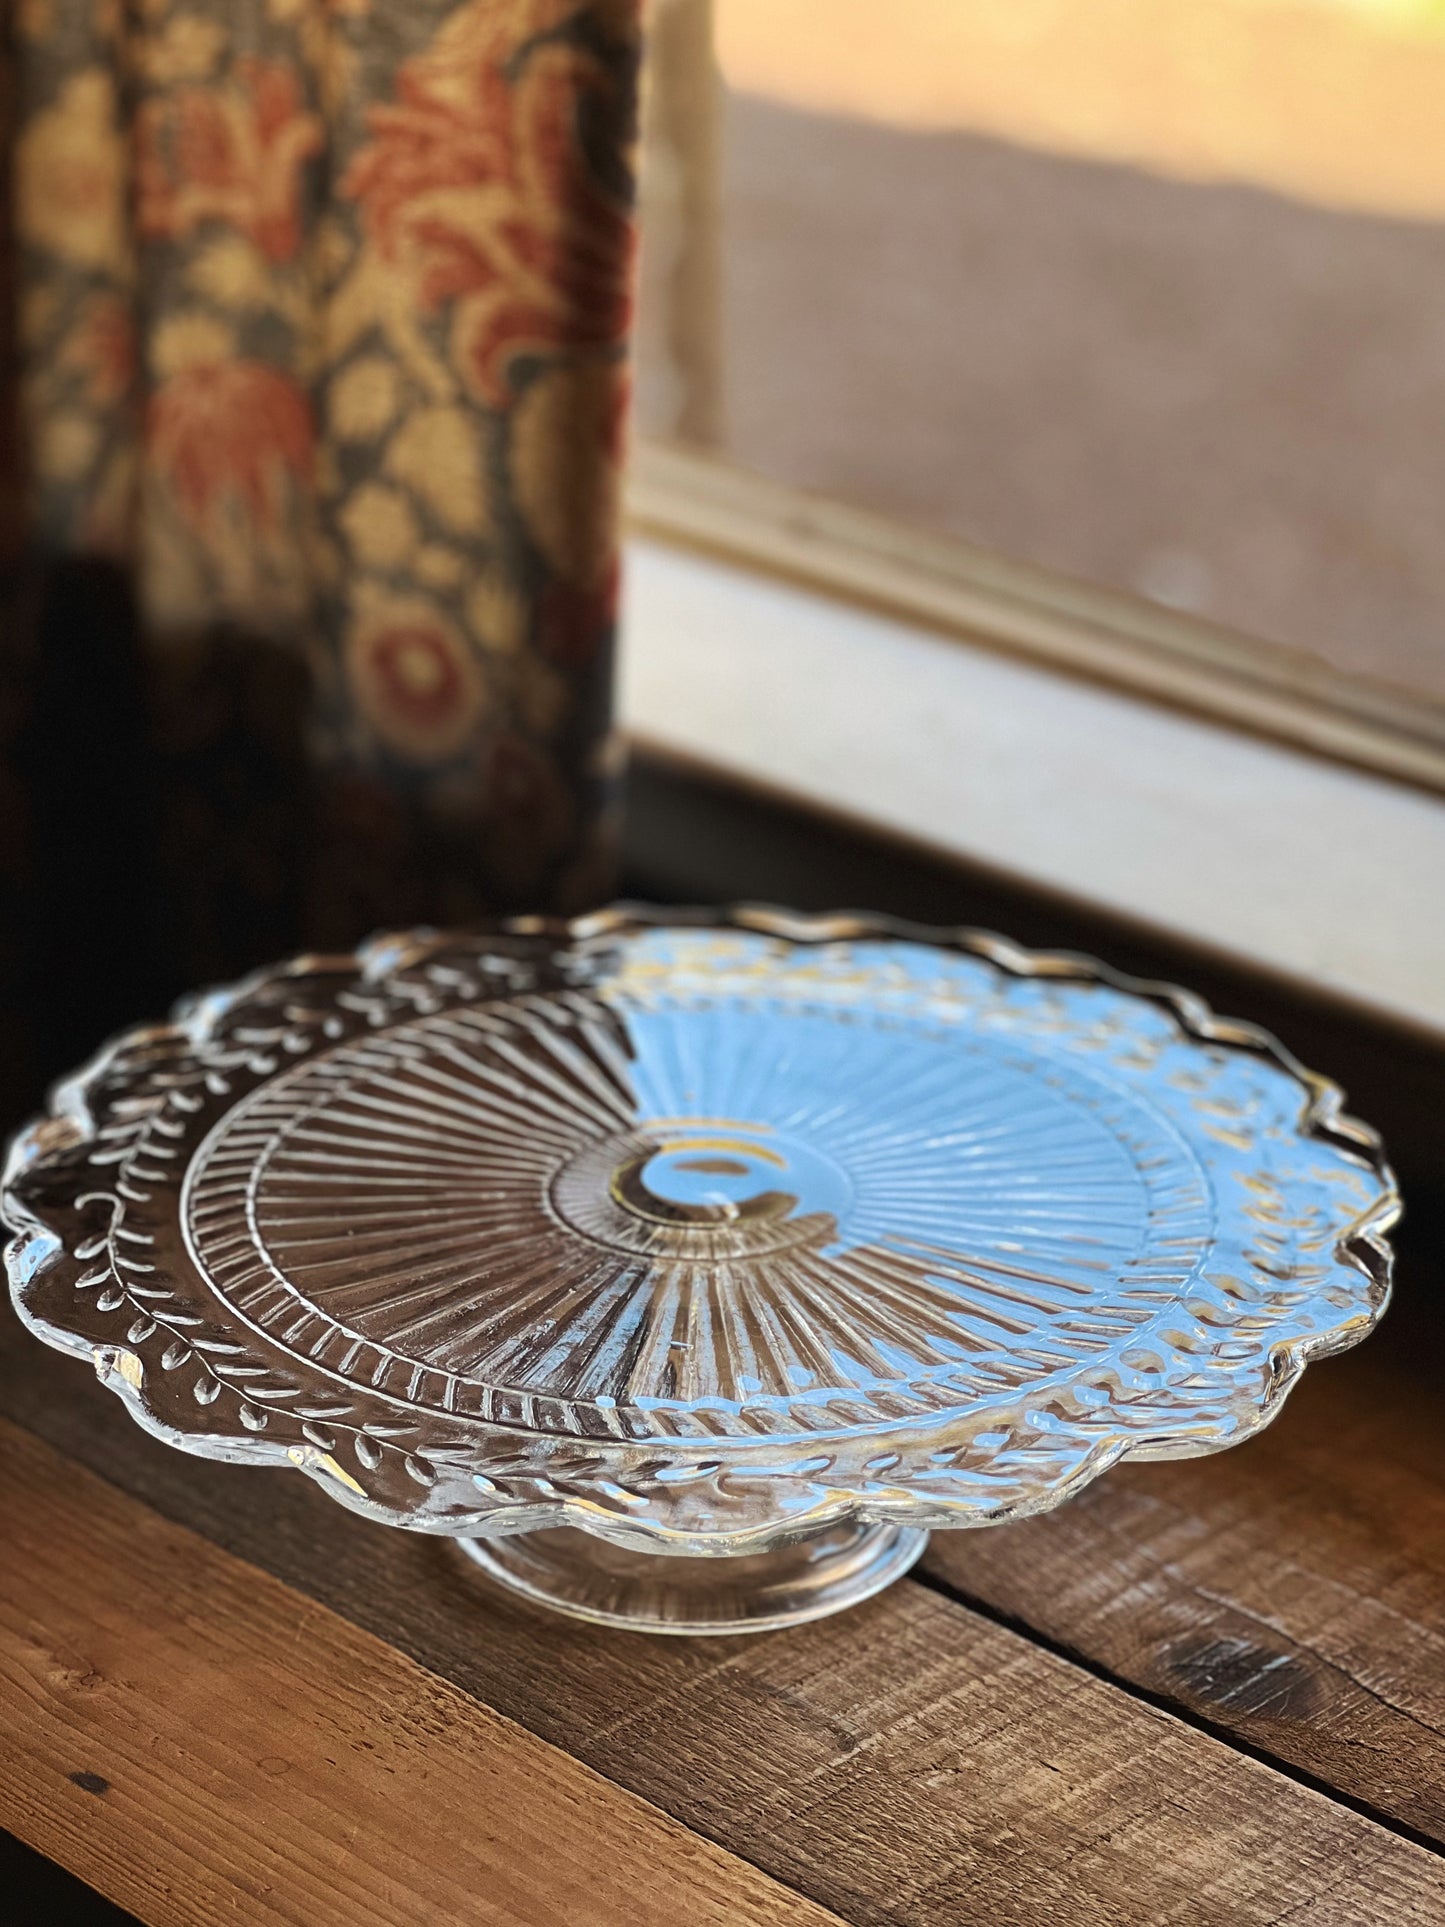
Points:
989	602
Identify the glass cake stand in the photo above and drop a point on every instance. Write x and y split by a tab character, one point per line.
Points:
686	1269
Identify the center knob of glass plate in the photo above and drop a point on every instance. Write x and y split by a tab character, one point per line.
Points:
707	1179
676	1177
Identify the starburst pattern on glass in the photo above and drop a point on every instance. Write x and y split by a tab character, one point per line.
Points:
698	1233
633	1207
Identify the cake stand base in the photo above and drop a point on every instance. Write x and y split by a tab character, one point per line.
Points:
645	1592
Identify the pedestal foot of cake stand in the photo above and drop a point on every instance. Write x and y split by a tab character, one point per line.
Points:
574	1572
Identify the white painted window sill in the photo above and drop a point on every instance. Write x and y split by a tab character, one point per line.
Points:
1328	876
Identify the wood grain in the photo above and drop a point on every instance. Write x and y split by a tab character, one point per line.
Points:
201	1743
1291	1591
907	1763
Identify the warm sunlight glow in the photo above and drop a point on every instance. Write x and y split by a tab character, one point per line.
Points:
1336	101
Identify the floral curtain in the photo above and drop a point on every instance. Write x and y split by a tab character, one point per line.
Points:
318	313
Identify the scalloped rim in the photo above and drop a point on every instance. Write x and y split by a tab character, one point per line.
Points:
1364	1247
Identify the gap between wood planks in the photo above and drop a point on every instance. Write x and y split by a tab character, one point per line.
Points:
1179	1709
1288	1594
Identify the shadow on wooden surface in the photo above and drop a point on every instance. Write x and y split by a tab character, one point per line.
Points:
36	1891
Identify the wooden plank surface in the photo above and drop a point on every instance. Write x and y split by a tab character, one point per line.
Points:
909	1762
201	1743
1291	1591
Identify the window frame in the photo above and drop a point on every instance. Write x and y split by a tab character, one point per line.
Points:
989	601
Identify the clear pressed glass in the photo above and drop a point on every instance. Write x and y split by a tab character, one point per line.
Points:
754	1236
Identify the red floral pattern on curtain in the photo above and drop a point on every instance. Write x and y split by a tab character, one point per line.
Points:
232	154
323	308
